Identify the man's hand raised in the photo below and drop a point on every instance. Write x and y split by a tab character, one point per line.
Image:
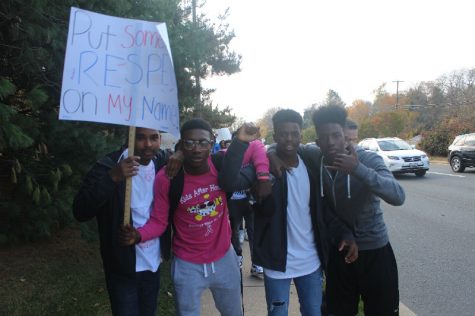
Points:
175	162
248	132
345	162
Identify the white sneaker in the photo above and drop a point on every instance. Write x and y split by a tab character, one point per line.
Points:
241	236
257	271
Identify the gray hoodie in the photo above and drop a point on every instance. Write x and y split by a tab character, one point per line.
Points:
356	198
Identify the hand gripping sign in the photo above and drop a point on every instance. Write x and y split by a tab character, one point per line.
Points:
119	71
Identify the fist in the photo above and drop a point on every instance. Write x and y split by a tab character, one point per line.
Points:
248	132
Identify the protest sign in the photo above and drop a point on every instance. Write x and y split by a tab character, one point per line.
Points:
223	134
119	71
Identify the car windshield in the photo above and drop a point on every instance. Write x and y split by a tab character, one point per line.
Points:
393	144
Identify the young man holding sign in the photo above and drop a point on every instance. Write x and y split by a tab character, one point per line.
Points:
203	255
132	273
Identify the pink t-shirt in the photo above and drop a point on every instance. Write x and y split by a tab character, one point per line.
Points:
203	233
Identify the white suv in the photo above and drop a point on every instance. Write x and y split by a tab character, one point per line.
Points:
398	155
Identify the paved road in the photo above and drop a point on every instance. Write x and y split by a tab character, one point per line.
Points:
433	236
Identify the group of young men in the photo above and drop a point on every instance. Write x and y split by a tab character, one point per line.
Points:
317	213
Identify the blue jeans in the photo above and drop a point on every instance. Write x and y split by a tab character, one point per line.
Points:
309	290
135	294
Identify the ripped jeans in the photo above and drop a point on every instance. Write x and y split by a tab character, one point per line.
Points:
309	290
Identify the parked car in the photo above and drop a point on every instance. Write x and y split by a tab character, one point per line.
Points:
399	156
462	152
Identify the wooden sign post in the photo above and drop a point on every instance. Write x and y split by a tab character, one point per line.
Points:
128	181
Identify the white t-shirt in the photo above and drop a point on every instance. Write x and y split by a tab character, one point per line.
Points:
147	253
302	257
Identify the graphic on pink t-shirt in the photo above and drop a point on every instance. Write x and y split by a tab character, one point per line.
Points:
206	208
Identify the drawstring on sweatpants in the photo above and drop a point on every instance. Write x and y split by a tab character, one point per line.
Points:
205	270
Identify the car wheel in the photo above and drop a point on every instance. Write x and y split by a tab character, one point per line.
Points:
420	173
456	164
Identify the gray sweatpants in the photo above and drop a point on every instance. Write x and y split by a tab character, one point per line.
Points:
222	277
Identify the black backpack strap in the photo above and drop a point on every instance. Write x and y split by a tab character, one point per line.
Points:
174	195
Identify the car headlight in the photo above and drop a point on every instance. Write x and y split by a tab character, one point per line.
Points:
424	157
393	157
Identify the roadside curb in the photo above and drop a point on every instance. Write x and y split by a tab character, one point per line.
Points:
405	311
438	160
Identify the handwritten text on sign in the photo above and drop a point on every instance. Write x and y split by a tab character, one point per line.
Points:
119	71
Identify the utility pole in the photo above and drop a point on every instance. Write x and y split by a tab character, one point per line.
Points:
198	108
397	92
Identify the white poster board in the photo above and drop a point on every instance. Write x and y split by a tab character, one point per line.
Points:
119	71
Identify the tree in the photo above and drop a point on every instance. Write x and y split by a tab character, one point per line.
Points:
309	135
333	98
359	110
42	160
308	114
400	123
265	124
417	95
438	110
203	51
384	101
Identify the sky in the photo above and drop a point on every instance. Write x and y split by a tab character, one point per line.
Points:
293	52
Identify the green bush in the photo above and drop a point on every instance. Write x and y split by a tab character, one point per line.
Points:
437	140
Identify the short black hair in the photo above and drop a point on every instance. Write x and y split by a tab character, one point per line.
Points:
197	123
287	116
329	114
350	124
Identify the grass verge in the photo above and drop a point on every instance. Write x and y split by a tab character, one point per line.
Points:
62	276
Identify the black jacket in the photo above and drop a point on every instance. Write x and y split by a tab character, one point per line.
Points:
100	197
270	225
